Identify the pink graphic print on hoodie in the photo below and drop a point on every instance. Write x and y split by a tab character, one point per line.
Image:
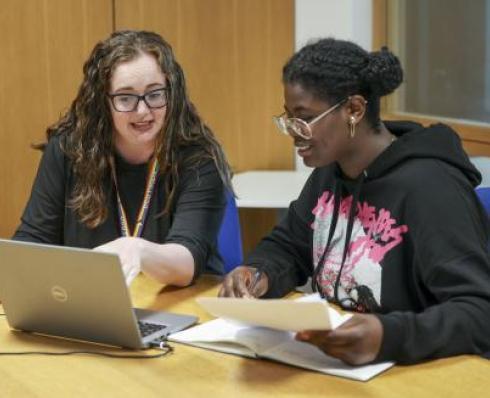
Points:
375	233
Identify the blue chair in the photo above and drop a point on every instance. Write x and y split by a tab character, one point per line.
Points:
484	196
229	236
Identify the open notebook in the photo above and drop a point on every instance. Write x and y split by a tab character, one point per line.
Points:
237	332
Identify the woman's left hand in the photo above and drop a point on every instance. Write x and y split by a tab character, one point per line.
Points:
129	250
356	342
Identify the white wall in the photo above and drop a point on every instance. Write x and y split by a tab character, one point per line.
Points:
342	19
482	163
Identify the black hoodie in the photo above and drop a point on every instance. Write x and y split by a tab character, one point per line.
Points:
409	237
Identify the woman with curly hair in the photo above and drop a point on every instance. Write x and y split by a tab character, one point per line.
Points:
388	224
131	168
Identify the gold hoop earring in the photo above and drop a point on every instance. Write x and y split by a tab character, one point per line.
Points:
352	126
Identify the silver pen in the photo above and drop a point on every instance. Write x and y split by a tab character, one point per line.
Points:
255	280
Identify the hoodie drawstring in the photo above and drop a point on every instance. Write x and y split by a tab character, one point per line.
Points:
366	299
348	235
337	194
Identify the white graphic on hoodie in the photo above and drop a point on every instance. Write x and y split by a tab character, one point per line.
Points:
374	233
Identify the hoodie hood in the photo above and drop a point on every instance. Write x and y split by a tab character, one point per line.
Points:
414	141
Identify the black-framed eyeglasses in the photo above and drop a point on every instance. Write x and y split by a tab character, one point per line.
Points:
153	99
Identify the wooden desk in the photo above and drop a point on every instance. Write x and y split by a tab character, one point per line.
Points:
193	372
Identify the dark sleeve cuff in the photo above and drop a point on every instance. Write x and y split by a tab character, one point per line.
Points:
393	337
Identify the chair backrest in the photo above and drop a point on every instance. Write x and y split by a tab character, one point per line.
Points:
484	196
229	236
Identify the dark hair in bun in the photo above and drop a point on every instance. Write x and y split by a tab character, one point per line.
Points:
383	73
335	69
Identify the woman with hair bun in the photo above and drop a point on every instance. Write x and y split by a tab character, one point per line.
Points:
388	224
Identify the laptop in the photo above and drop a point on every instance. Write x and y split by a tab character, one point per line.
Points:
79	294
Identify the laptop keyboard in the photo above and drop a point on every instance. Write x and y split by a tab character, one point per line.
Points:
147	328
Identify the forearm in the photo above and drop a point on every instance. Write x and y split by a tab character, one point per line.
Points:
168	263
451	328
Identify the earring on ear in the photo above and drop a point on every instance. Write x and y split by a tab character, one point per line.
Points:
352	126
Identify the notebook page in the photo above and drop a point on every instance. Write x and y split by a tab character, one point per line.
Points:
231	337
307	356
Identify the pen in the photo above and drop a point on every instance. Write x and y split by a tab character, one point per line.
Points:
255	280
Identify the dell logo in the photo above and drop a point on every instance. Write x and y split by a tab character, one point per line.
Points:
59	294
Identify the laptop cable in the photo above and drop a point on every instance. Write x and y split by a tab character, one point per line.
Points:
101	353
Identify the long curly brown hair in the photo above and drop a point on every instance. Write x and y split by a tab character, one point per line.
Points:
88	126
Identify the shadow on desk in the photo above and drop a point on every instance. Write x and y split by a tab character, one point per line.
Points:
25	342
151	295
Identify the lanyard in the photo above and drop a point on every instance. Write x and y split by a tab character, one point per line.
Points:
145	205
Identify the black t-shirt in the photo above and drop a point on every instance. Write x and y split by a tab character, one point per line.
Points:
193	221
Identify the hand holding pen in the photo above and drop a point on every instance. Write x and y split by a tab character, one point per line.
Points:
244	281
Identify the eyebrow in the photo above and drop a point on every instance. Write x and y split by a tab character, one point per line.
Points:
129	88
298	109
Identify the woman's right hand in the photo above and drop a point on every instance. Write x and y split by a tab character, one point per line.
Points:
244	281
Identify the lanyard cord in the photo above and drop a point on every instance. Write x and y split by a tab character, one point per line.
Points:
145	205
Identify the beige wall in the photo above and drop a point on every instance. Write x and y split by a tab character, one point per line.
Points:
232	52
44	44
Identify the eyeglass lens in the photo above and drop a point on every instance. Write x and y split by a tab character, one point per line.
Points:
300	128
129	102
296	127
293	127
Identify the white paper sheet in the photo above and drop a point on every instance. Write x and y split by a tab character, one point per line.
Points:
279	314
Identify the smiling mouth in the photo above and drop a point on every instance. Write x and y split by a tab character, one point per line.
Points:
301	145
142	125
